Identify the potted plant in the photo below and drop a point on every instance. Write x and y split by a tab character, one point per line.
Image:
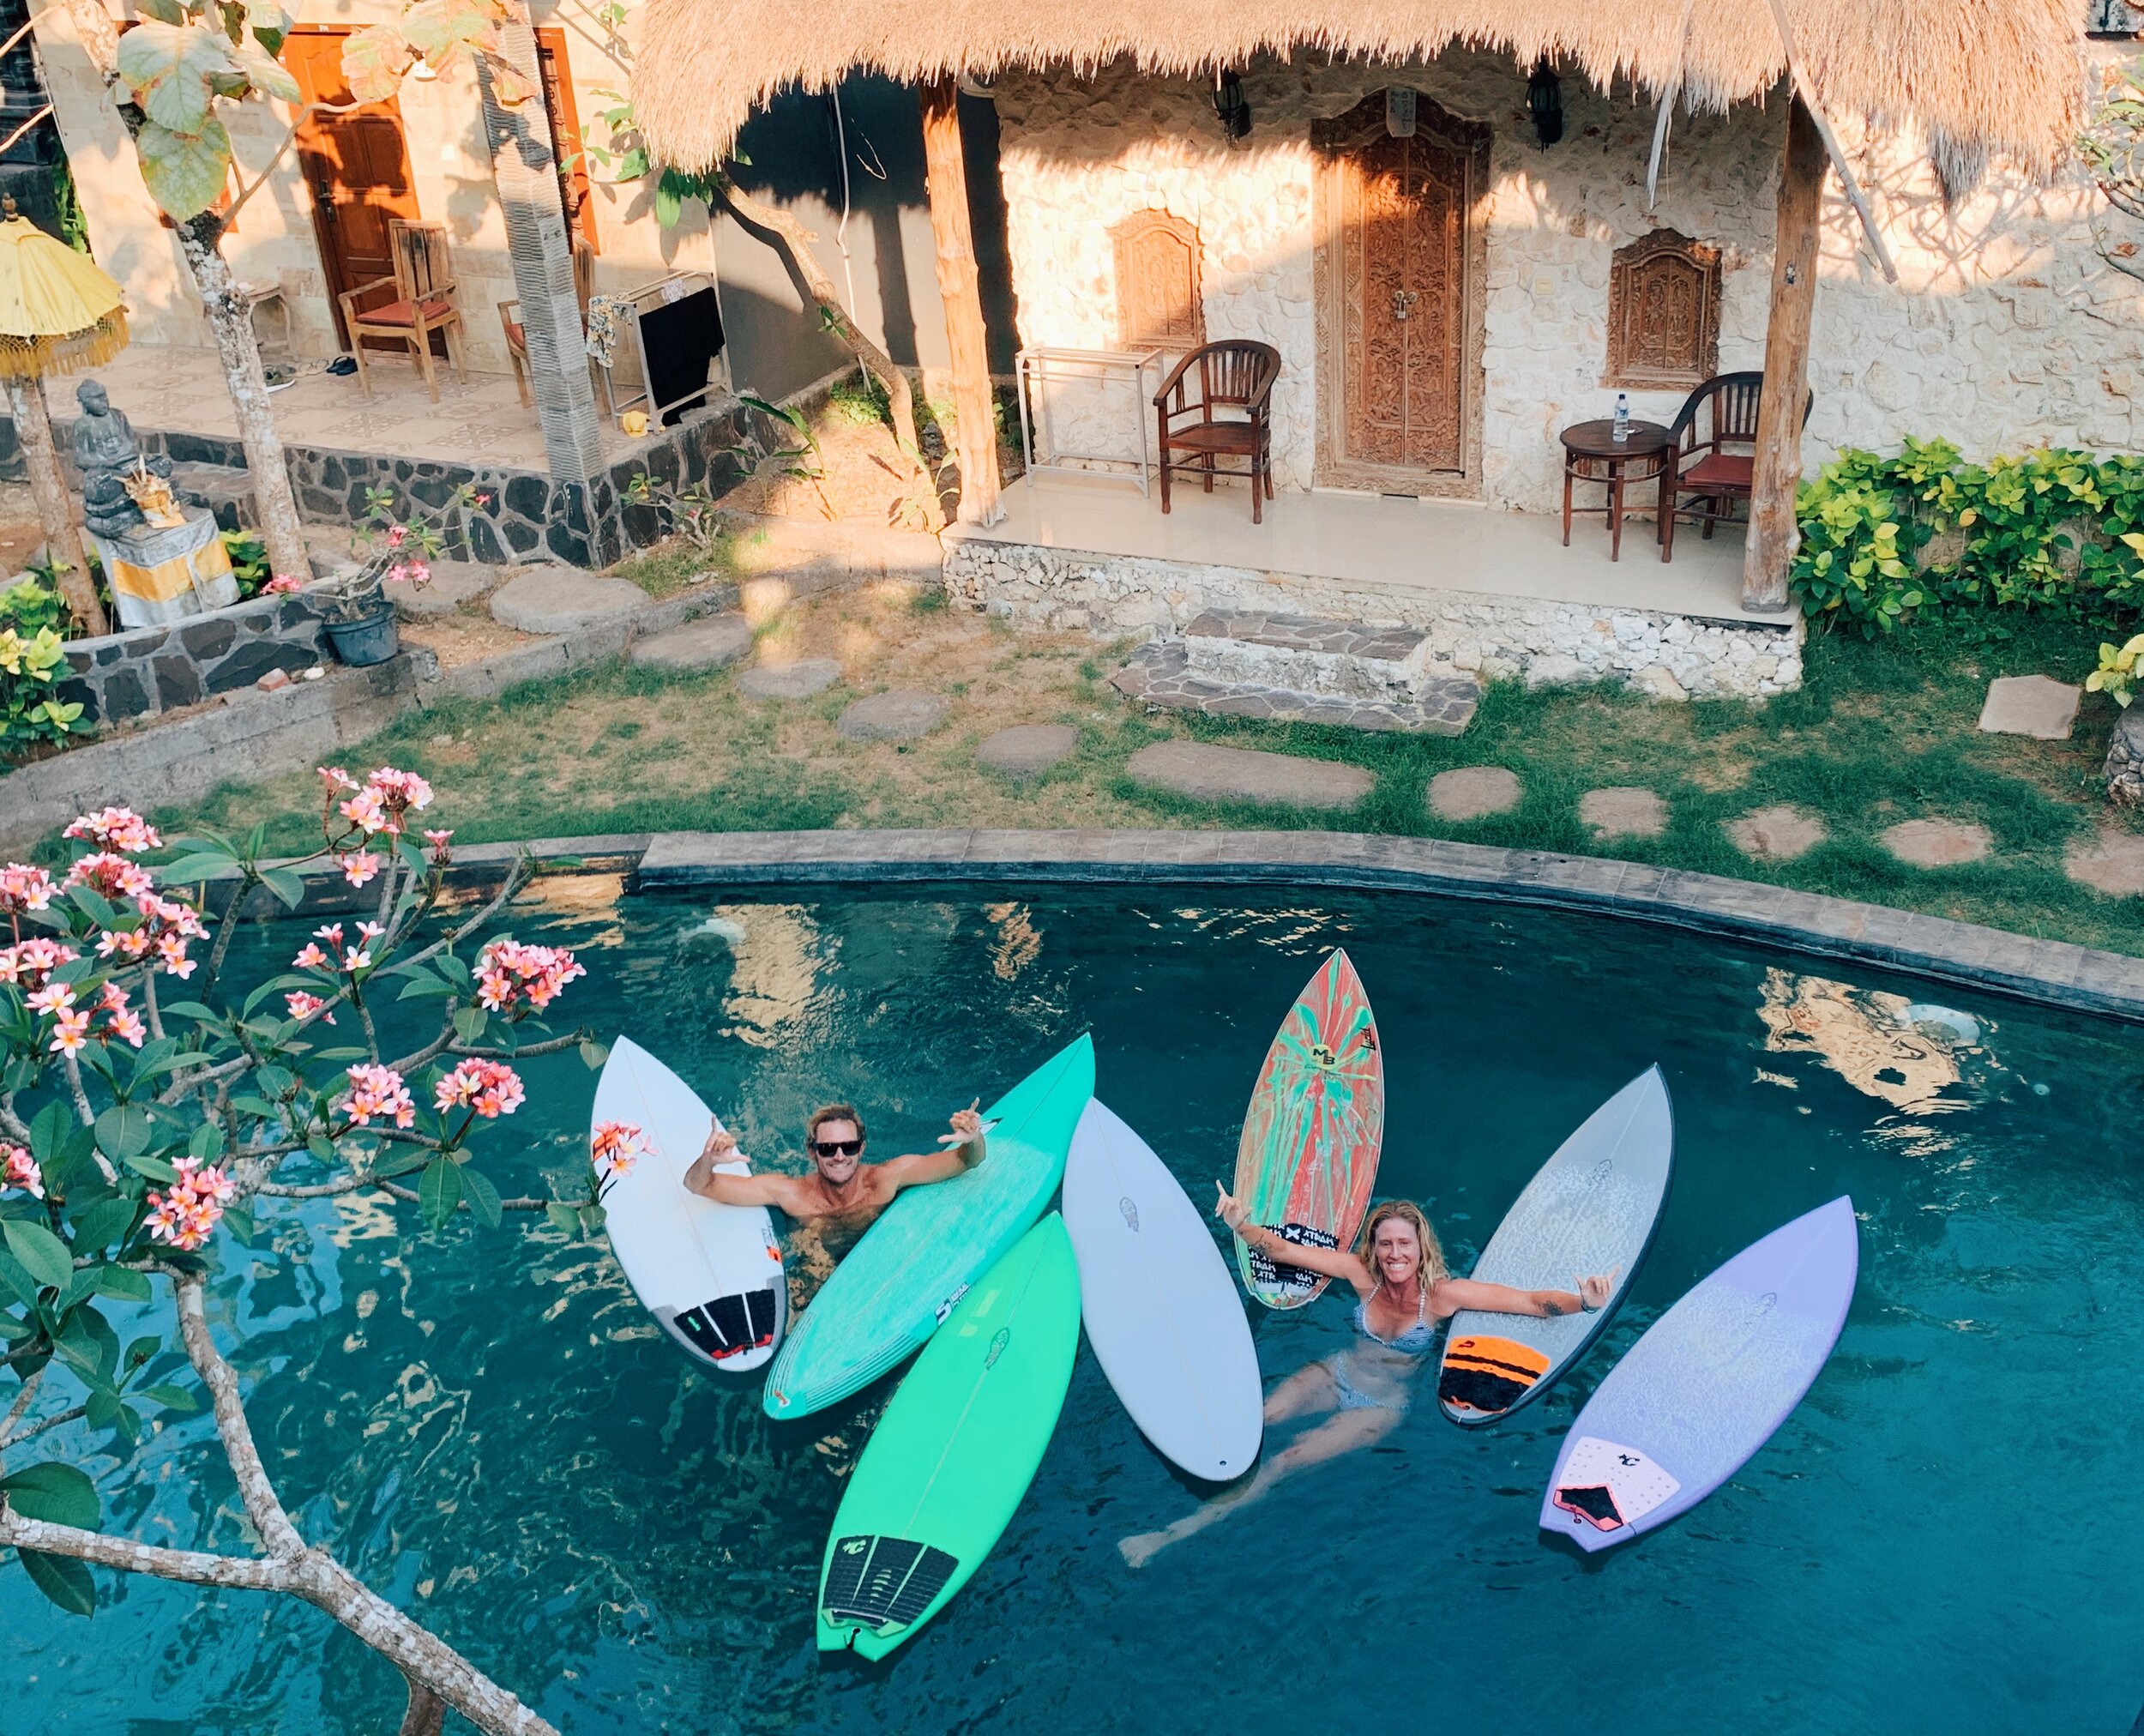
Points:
358	619
359	615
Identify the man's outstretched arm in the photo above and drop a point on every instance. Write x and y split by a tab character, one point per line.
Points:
703	1178
965	1147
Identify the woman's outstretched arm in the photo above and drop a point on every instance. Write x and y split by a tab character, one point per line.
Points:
1329	1262
1455	1293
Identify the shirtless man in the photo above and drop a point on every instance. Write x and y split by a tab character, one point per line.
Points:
843	1195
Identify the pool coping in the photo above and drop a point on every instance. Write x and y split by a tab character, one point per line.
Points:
2051	972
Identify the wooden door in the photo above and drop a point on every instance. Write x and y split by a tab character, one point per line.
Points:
568	148
356	166
1399	348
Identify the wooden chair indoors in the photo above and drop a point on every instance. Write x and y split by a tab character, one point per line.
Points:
1234	377
517	334
424	302
1716	472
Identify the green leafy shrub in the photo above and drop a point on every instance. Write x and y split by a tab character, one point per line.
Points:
33	661
2056	532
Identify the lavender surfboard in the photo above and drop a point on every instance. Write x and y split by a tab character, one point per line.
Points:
1709	1383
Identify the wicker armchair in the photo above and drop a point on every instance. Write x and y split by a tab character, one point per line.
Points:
1234	377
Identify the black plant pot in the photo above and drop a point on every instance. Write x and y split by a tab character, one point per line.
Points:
363	642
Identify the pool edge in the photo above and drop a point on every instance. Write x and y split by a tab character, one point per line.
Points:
2058	973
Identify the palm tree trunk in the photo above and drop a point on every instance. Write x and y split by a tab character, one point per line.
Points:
55	508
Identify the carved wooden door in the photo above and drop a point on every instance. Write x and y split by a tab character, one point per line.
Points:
1402	246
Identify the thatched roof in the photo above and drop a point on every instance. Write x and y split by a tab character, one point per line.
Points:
1978	77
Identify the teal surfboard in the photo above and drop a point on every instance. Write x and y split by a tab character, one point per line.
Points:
956	1451
914	1264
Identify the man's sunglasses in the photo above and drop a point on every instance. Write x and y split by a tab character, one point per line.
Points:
838	1148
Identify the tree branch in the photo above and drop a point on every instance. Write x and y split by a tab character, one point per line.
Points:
263	1507
33	1430
790	238
192	1566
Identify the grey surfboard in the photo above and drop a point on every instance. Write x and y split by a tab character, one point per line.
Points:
1592	1207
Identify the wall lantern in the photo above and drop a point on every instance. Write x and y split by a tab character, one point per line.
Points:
1544	103
1232	106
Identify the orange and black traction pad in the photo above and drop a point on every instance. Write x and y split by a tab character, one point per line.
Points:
1488	1376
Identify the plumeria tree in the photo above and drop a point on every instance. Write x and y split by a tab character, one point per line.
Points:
148	1107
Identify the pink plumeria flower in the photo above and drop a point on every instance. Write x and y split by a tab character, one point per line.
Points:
311	957
126	1025
71	1030
359	866
613	1147
283	585
116	828
357	958
52	998
24	888
378	1091
19	1169
171	953
490	1088
303	1006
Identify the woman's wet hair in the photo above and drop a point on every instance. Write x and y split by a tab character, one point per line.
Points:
833	1111
1433	1267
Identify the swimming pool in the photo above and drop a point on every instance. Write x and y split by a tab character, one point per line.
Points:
486	1425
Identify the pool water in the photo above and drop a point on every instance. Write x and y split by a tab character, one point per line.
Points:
488	1428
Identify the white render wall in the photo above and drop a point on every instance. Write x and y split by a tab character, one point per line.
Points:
2007	331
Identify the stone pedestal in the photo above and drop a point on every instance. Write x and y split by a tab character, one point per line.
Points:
161	575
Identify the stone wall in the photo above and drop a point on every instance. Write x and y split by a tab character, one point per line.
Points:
2007	331
1673	656
147	670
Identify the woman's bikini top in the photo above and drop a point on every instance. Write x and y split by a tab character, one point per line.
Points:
1414	1340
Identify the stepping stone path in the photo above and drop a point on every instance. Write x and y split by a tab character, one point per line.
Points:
561	599
902	715
1027	750
452	584
2112	863
1938	843
713	641
1777	833
1213	774
2033	705
799	680
1474	792
1623	812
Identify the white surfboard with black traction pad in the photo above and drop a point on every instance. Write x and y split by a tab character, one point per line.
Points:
711	1274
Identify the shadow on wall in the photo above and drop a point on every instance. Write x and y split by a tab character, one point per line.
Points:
792	153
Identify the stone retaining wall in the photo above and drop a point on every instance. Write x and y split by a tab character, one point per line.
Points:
146	670
1673	656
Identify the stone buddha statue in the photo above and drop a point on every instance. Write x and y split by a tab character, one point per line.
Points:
107	451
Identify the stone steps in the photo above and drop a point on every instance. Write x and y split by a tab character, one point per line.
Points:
1301	669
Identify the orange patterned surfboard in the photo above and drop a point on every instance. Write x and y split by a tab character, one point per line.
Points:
1312	1137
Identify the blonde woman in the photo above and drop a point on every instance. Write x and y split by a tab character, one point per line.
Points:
1404	1291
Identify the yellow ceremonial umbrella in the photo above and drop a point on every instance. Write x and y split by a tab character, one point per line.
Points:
59	311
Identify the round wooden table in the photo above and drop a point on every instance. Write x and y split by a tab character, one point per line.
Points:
1592	453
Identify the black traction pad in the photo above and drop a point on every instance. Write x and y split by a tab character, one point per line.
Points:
730	1325
878	1581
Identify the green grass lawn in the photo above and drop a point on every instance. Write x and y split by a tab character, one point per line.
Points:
1882	732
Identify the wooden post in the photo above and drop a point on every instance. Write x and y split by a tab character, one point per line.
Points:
32	417
945	169
1770	550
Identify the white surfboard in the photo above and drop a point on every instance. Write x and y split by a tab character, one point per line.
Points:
1160	1305
711	1274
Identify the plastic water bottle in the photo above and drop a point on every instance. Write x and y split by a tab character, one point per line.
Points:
1623	418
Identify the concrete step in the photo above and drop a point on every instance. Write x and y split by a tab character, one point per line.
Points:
1159	674
1302	653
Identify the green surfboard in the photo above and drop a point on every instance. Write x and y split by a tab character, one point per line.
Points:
904	1277
955	1450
